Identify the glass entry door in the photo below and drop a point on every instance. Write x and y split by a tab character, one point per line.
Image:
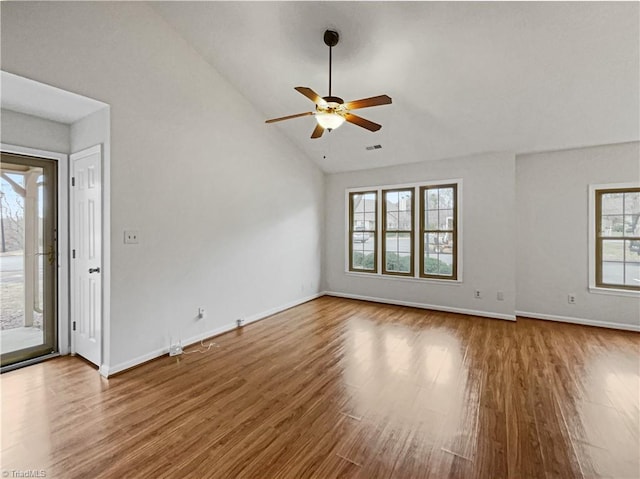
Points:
28	258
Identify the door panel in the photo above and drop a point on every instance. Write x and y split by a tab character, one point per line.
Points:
86	246
28	257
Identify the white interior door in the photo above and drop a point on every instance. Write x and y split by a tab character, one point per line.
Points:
86	253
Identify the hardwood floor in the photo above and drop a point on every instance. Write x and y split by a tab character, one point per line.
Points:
342	388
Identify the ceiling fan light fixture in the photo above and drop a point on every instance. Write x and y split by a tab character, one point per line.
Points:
331	111
329	121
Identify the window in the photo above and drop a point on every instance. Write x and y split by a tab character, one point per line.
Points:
419	233
363	231
617	233
397	231
438	241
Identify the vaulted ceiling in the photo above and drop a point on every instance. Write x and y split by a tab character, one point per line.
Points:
464	77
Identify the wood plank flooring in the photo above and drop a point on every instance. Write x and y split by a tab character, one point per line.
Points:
338	388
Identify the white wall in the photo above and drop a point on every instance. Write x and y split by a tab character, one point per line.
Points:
488	221
33	132
552	199
229	213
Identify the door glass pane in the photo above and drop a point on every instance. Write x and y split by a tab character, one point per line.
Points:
28	263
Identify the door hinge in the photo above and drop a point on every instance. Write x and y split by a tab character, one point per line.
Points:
73	254
73	181
74	325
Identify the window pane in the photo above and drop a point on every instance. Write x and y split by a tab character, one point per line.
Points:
431	263
445	265
391	242
391	252
405	221
612	225
446	220
358	221
393	263
632	263
632	203
432	220
632	225
612	273
369	202
404	199
363	223
370	220
362	237
363	260
404	242
392	200
405	262
431	199
358	203
392	220
612	203
432	244
445	198
613	250
632	274
447	246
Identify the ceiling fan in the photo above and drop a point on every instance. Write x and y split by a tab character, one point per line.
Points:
332	111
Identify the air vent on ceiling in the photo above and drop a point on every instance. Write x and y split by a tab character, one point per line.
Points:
373	147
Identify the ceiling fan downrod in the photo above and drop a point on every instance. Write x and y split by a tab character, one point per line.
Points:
331	39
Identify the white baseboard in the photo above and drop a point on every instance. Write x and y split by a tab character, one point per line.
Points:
584	322
107	371
435	307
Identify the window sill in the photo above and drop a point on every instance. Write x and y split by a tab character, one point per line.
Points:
446	282
615	292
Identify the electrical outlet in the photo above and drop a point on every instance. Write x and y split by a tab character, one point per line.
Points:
500	296
477	294
571	298
201	313
131	237
240	322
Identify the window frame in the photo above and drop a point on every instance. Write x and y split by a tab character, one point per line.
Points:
442	280
411	232
374	231
422	231
596	281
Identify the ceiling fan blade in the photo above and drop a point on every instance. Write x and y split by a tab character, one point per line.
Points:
367	102
310	94
358	120
289	117
317	132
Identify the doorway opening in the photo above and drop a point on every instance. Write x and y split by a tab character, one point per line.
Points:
28	258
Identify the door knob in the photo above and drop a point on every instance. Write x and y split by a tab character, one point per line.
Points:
94	270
